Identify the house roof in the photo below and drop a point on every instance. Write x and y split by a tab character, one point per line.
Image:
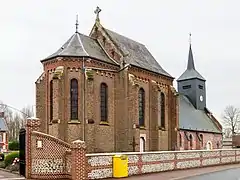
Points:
137	54
193	119
190	72
3	125
79	45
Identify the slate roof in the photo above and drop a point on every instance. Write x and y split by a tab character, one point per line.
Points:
80	45
138	54
3	125
193	119
190	72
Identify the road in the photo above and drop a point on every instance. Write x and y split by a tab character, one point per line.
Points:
9	176
230	174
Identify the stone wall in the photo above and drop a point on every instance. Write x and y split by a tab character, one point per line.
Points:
48	157
101	165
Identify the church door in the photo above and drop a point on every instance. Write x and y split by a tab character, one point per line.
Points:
142	144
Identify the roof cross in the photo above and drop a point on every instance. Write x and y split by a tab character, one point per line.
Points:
77	24
190	38
97	11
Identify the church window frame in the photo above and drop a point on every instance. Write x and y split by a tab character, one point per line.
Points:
1	137
104	40
201	139
51	100
74	102
141	107
191	140
104	102
163	108
113	54
180	140
200	86
187	86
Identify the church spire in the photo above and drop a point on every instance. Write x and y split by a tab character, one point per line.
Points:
190	56
190	72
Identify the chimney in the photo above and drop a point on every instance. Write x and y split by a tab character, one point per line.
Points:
1	114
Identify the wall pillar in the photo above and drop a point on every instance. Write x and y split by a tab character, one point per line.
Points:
79	161
33	124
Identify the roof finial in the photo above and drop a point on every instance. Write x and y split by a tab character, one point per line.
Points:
97	11
190	38
76	24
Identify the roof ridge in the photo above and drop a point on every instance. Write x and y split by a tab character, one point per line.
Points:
124	36
80	40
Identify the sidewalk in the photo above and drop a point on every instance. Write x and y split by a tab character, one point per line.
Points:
180	174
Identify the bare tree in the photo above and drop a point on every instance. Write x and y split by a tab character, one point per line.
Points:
26	113
231	118
15	119
227	132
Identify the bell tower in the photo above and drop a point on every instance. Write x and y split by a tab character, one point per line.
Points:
192	84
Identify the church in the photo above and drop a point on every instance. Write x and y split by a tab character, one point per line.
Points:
109	91
199	129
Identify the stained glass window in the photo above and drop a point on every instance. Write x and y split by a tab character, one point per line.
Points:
74	99
162	109
141	106
51	100
104	102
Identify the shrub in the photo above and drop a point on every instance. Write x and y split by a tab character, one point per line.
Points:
2	165
13	145
10	158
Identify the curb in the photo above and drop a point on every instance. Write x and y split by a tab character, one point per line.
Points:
13	172
203	173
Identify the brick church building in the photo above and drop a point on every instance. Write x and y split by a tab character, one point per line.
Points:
109	91
199	129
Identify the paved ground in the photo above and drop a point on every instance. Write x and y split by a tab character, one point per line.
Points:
231	174
9	176
184	174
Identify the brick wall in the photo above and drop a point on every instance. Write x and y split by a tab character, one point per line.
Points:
48	157
101	165
213	138
117	134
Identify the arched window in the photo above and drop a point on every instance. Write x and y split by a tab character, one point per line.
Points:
142	144
159	109
1	138
162	109
201	140
180	140
74	99
51	100
191	141
141	106
104	102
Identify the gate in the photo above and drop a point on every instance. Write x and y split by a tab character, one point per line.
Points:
22	157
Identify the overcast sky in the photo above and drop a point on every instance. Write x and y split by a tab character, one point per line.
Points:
32	29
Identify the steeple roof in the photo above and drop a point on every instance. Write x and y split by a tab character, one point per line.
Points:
79	45
190	72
